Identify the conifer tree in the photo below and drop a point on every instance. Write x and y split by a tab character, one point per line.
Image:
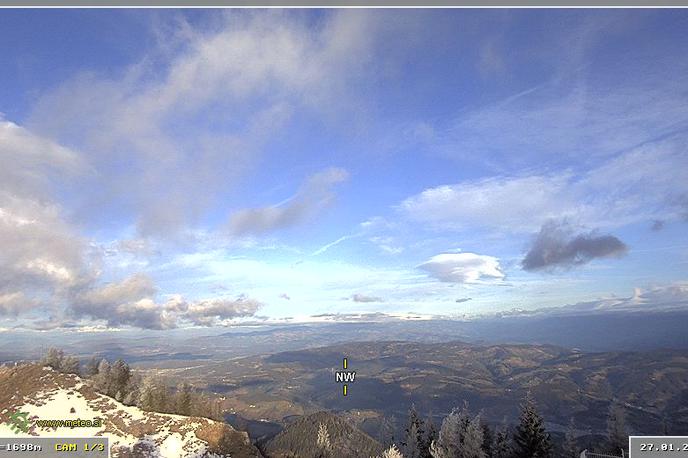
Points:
413	438
460	436
488	439
616	428
570	447
501	446
323	441
531	440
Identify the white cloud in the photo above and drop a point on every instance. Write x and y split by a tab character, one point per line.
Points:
208	312
463	267
247	77
640	185
658	298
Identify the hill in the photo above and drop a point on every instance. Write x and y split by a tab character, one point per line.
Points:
299	439
45	394
390	376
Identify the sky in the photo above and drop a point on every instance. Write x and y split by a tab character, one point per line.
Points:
174	168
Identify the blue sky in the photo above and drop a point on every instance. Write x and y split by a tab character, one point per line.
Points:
167	168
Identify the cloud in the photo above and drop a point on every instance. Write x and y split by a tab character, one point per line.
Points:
658	298
131	302
43	255
313	196
463	268
463	299
126	303
572	112
15	303
639	185
208	312
234	85
365	299
557	246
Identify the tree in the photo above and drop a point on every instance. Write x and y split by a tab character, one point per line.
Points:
487	439
323	441
531	439
102	380
616	428
183	399
460	436
429	438
501	446
392	452
570	446
91	368
152	395
53	358
120	374
385	434
70	365
413	437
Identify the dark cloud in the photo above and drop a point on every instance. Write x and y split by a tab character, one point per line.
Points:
363	298
557	246
463	299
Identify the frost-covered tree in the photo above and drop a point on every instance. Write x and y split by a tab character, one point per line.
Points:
323	441
91	368
53	358
70	365
531	440
120	374
102	381
391	452
616	428
460	436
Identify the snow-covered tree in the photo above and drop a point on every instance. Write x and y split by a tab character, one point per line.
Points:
70	365
102	380
323	441
391	452
53	358
460	436
531	440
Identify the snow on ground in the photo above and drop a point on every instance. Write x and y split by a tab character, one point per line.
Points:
71	399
